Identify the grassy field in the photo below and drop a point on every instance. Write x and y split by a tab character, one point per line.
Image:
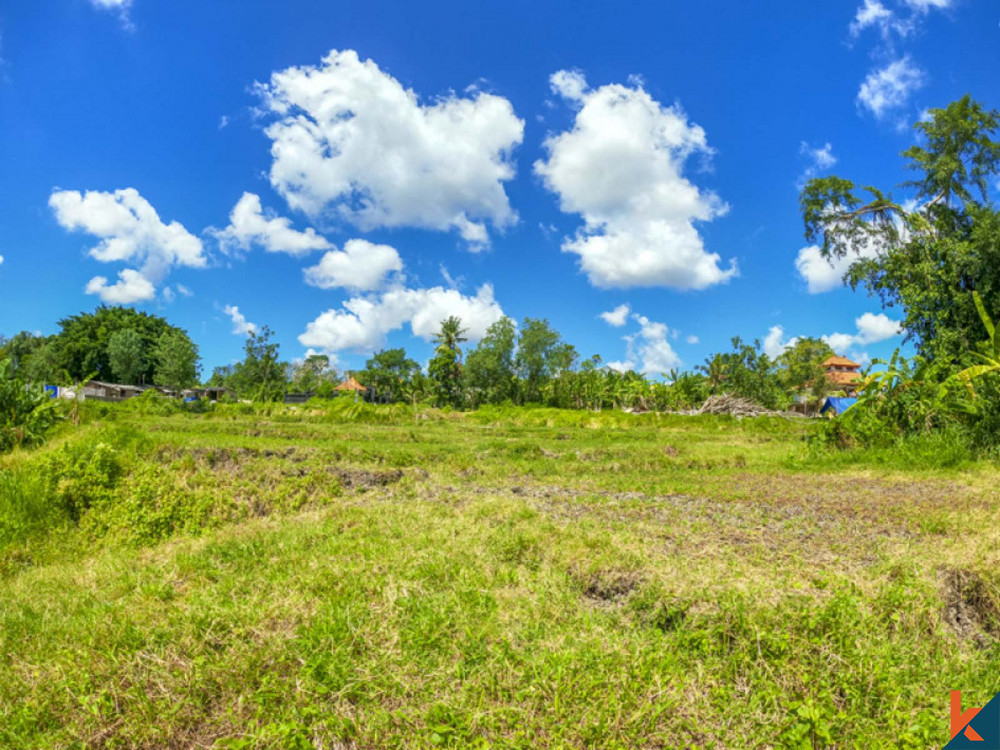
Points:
355	577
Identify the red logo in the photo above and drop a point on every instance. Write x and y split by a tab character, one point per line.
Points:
960	720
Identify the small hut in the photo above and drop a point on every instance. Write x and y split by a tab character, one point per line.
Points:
351	384
842	374
101	391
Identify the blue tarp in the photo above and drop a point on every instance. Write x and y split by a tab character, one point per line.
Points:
837	405
52	391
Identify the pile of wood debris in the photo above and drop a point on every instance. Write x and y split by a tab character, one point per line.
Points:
734	406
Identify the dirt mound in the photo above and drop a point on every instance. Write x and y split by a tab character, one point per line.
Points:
970	608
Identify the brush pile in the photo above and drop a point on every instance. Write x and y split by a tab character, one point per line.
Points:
734	406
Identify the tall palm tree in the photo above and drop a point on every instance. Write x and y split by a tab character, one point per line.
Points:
451	334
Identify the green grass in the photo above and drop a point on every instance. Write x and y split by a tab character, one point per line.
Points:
349	577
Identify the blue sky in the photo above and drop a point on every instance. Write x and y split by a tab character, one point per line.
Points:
349	173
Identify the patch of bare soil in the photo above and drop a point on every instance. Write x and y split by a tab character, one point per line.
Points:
970	608
232	460
361	479
846	495
607	586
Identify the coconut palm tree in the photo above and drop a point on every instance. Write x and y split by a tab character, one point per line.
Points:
714	370
451	334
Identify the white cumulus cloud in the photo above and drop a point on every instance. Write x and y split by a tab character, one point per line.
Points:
822	274
250	225
350	139
362	323
621	168
655	352
130	231
131	287
616	317
241	326
361	266
888	89
775	342
871	329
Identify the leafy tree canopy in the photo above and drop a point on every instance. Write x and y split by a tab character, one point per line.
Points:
926	255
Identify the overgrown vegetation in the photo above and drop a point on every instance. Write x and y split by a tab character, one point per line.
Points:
343	574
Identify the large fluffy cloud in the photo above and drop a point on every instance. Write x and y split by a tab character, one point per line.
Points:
361	266
889	89
250	225
361	324
130	231
350	139
621	168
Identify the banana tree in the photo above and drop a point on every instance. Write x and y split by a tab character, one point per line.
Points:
990	360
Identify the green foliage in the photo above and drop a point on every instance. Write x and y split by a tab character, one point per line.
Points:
126	356
261	376
389	373
26	411
176	358
514	577
541	355
749	373
489	375
445	368
801	367
929	257
313	374
82	342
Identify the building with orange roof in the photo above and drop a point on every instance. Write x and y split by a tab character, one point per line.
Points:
351	384
842	374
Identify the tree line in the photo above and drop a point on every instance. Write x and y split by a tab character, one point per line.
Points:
527	364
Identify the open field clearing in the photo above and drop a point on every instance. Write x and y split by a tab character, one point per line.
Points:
361	577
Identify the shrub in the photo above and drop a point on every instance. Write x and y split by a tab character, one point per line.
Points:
26	411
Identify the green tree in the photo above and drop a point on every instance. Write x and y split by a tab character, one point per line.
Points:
260	376
751	374
714	370
82	341
445	368
176	360
539	353
26	412
389	373
311	374
126	356
800	367
488	374
923	256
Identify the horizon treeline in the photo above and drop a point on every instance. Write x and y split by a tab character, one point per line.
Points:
527	364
